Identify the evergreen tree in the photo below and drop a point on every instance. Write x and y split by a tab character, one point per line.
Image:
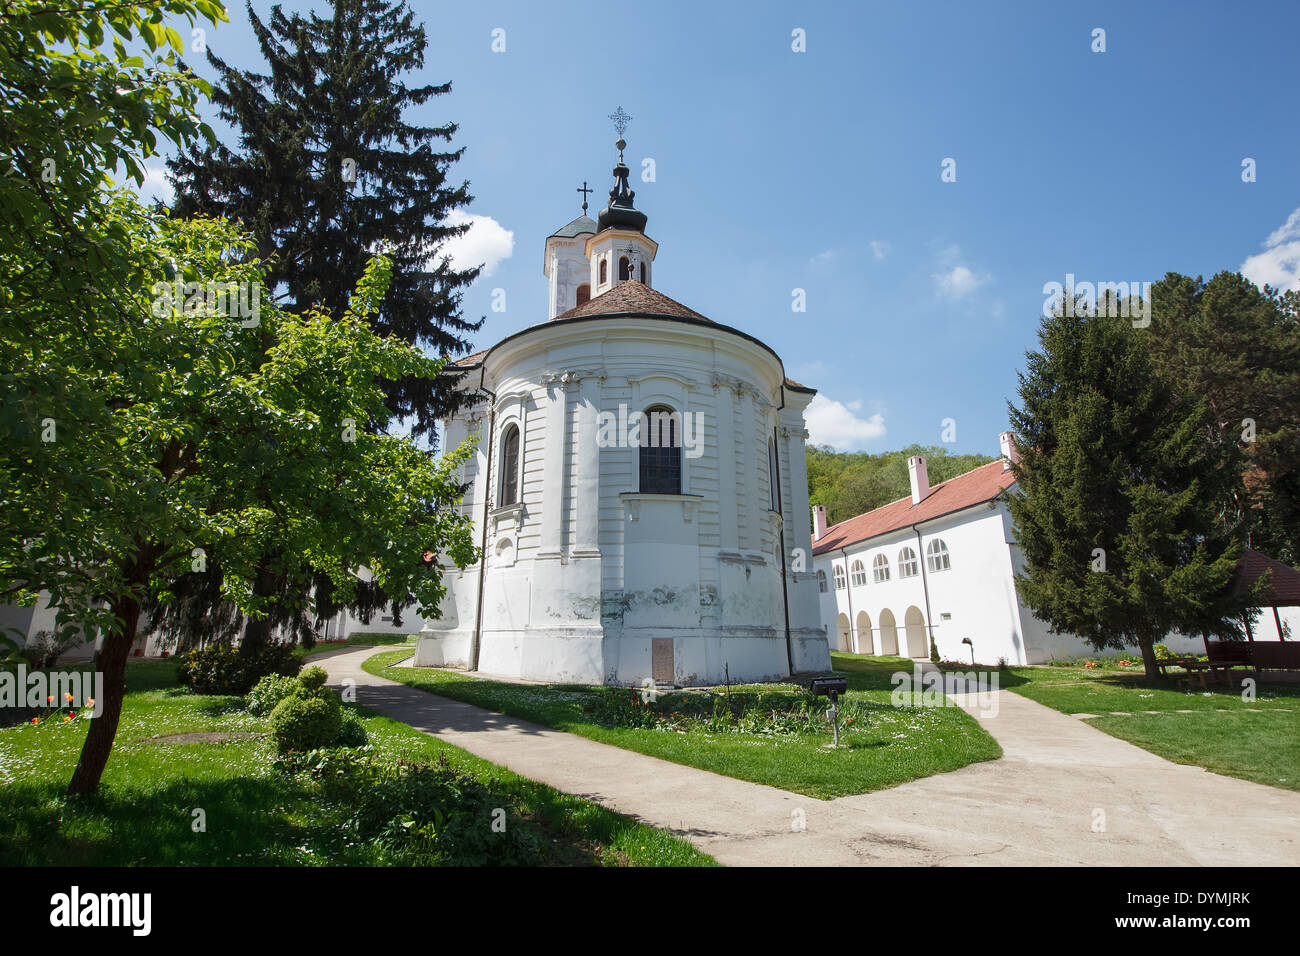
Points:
1239	347
328	170
1125	487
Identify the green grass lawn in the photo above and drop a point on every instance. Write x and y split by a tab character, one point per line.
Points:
1256	740
255	814
894	746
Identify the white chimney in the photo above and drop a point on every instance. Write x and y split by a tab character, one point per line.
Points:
920	477
1010	453
819	521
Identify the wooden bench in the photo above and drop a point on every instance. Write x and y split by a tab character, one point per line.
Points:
1193	669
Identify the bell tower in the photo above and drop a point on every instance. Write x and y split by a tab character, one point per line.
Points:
620	251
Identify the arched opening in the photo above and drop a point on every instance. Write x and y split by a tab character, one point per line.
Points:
880	568
914	625
888	634
509	467
661	453
624	269
604	271
858	574
865	645
842	629
643	273
584	294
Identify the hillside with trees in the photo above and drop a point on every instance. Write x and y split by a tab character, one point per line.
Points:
849	483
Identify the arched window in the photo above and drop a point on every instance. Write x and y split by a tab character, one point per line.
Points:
509	466
821	581
604	271
624	269
880	568
643	273
936	556
584	293
661	451
839	578
907	564
859	574
773	479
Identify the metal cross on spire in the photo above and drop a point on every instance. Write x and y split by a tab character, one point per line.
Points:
621	120
584	190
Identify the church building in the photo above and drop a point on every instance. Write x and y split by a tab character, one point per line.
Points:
638	488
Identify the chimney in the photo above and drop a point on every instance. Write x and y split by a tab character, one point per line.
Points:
920	478
819	521
1010	454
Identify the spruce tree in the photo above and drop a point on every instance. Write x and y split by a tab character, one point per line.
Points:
1125	486
1239	347
328	170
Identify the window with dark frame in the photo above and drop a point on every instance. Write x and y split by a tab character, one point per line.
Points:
509	467
661	453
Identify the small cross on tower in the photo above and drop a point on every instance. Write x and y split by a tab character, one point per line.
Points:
584	190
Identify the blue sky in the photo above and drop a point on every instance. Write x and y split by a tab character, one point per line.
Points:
820	170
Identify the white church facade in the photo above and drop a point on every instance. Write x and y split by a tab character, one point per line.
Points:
638	487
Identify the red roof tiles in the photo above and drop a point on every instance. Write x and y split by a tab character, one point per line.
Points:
983	484
631	296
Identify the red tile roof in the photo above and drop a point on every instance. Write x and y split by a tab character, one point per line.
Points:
1283	586
983	484
627	298
632	297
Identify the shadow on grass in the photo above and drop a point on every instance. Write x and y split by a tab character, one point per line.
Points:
245	821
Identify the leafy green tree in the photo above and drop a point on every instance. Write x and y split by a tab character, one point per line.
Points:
1239	347
1125	485
194	439
328	169
851	483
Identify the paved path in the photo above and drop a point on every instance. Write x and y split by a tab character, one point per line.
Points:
1038	805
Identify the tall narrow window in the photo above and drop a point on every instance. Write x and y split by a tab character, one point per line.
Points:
773	477
821	581
604	271
661	453
880	568
624	269
584	294
907	566
643	273
838	573
509	467
859	574
936	555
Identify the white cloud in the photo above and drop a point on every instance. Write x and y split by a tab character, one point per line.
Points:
155	186
956	280
1279	264
837	424
486	243
880	249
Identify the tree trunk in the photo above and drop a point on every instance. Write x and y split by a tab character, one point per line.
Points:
258	633
112	663
1147	645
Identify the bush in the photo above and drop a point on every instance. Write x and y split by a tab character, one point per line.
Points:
220	669
352	734
306	720
314	677
1161	651
270	690
934	650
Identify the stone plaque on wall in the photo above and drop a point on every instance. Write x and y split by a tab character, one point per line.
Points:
661	660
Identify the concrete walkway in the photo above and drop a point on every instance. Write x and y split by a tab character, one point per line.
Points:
1063	794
